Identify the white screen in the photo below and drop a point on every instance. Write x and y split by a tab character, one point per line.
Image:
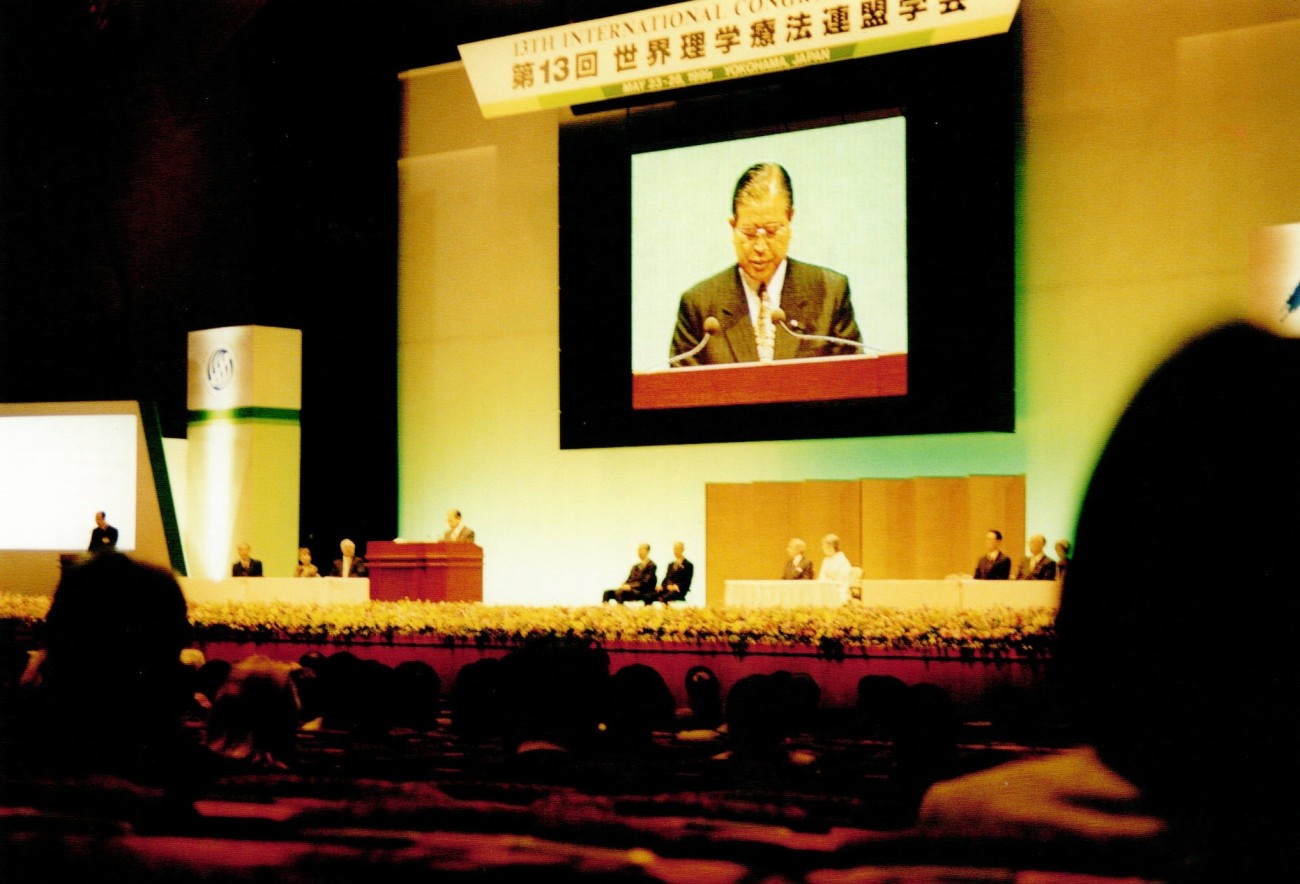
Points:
57	471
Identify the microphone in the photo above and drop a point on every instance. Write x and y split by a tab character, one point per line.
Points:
778	317
711	328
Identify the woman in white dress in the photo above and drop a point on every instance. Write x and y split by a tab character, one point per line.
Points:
835	567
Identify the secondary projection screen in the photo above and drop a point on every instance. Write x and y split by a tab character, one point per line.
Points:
57	471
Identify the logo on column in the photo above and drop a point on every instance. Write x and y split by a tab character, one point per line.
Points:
221	368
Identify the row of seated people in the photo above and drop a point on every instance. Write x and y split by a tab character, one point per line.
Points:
348	564
641	583
116	679
1037	565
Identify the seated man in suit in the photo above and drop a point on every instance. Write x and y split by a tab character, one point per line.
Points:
351	564
742	297
640	582
1037	565
246	565
994	564
677	576
799	566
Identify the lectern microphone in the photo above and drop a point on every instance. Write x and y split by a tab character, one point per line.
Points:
778	317
711	328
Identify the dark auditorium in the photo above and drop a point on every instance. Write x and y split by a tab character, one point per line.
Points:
994	303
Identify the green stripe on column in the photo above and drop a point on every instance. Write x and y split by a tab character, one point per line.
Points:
246	413
162	484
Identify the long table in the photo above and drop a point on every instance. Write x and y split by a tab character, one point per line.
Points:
305	590
956	593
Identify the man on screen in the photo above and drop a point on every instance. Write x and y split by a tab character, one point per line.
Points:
742	298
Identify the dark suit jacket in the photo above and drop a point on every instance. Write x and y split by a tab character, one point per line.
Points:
642	577
102	539
814	297
466	534
680	575
254	568
802	571
1046	570
998	569
359	568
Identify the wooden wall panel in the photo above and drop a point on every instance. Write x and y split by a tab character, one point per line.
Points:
943	518
729	525
888	515
911	529
777	504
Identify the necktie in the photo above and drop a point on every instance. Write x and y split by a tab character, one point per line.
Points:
765	334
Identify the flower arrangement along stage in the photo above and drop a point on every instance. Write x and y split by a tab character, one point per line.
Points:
851	630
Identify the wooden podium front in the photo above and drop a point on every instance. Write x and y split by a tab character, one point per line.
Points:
435	572
785	380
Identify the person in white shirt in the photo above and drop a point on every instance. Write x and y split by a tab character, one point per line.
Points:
835	567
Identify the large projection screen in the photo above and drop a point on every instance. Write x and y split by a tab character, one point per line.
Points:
62	462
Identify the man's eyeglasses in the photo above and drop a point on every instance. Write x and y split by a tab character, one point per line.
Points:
771	231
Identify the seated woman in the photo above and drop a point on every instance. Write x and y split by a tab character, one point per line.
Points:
305	567
1062	557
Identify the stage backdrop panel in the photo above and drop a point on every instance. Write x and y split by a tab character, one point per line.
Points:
922	528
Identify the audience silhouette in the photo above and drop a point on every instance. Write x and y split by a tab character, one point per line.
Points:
703	699
640	703
476	701
108	692
1180	684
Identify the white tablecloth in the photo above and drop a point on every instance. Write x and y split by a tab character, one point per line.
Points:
956	593
313	590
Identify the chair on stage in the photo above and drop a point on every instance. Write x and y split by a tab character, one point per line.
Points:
854	585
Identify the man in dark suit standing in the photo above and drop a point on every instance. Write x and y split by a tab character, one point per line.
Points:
677	576
640	582
815	300
246	565
798	566
994	564
104	537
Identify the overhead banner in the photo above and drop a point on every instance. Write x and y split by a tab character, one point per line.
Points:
707	41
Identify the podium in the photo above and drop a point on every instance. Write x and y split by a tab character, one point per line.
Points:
435	572
785	380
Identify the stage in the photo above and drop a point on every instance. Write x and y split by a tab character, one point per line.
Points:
970	637
969	652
